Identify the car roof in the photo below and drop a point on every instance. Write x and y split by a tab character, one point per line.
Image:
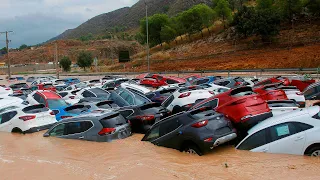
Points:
49	94
281	119
91	116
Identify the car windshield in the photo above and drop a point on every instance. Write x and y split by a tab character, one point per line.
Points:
99	92
56	103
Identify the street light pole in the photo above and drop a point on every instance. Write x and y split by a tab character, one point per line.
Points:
147	27
7	46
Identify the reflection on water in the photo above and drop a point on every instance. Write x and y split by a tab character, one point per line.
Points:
34	157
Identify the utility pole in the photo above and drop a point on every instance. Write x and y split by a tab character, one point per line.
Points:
147	26
56	59
7	46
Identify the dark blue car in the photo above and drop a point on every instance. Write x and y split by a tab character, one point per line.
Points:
205	80
70	81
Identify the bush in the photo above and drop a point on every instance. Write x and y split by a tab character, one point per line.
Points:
65	63
85	59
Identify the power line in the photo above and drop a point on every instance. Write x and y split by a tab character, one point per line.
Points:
7	46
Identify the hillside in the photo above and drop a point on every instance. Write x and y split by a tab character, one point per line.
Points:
104	50
128	17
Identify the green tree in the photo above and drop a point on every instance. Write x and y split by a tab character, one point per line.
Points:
313	7
155	23
289	8
264	4
195	19
65	63
23	46
141	38
168	34
85	59
223	11
261	22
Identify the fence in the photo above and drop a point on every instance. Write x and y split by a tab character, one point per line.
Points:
27	68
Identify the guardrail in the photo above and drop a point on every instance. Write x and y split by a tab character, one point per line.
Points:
314	72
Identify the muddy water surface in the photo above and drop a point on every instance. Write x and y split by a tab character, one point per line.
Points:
34	157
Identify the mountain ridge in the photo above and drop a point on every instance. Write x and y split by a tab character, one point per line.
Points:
128	16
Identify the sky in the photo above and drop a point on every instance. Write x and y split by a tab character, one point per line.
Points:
36	21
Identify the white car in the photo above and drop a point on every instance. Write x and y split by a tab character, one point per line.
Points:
40	81
282	107
184	98
296	133
135	87
26	119
215	88
251	81
10	101
76	86
293	93
94	82
94	92
171	86
69	96
5	91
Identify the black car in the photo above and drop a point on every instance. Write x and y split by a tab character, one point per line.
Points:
141	117
312	92
195	132
161	95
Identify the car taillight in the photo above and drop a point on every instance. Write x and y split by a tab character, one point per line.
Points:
192	87
7	89
106	131
52	113
299	93
237	84
27	118
200	124
71	97
146	117
211	92
64	117
183	95
208	139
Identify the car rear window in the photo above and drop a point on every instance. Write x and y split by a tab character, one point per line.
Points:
168	101
56	103
113	121
35	109
94	81
99	92
244	91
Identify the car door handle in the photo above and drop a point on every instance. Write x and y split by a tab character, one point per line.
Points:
81	137
299	138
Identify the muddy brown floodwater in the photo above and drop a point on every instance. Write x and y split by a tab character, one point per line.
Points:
35	157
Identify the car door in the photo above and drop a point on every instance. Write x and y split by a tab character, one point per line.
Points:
257	142
169	134
6	125
288	138
72	130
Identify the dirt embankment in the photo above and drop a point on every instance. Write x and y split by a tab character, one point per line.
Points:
292	48
103	49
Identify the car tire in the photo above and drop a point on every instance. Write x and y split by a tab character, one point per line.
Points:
192	149
314	152
17	130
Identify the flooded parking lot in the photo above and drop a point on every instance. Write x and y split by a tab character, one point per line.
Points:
34	157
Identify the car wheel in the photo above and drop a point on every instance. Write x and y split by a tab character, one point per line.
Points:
17	130
192	149
314	152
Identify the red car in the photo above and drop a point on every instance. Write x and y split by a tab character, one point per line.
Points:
47	86
242	106
302	85
145	75
157	80
270	92
285	81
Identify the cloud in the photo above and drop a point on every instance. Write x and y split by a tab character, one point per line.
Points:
36	21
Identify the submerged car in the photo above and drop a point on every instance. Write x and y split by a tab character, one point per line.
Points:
104	126
279	79
242	106
270	92
158	80
292	133
159	96
312	92
195	132
26	119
